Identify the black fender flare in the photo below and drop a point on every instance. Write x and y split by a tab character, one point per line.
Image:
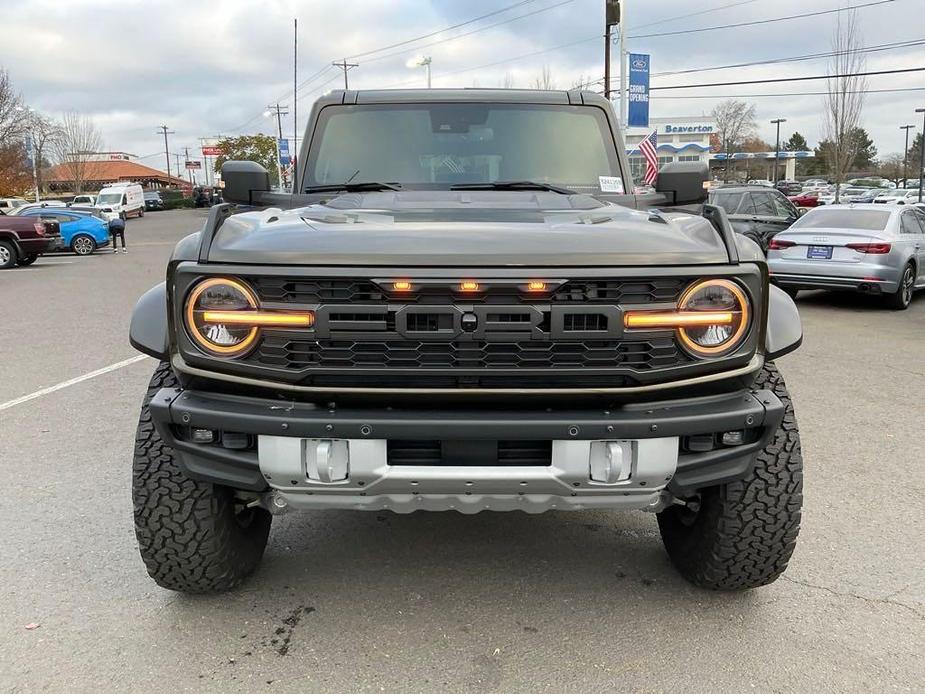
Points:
785	329
148	331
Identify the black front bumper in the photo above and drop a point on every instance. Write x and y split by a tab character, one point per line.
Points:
174	410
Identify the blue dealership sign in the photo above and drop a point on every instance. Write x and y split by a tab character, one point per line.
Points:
639	91
283	151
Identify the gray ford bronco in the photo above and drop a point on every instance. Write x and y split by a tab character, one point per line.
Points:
463	306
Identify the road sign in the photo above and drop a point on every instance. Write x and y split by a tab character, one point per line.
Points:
212	151
190	165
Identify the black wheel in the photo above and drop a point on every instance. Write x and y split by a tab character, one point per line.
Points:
193	536
28	259
83	244
8	255
141	213
902	297
741	534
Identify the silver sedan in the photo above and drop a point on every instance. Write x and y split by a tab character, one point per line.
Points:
867	248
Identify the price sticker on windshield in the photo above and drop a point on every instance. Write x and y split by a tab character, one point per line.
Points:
610	184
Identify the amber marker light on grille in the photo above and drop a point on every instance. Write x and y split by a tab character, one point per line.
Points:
537	286
676	319
263	319
401	286
469	286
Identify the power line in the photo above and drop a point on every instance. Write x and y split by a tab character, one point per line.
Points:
797	58
759	21
401	43
162	130
791	79
788	94
695	14
474	31
440	31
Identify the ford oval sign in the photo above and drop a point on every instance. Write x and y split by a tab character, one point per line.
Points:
640	63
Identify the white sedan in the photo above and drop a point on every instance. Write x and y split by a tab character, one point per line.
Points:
898	196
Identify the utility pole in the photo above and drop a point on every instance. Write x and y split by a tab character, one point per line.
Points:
777	122
922	153
614	15
344	65
280	112
907	128
189	171
624	67
162	129
295	97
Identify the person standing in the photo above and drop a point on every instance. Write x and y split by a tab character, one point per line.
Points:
117	231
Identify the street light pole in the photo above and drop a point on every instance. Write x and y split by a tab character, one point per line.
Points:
777	122
907	128
921	152
421	61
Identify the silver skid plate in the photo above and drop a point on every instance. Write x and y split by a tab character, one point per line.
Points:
355	474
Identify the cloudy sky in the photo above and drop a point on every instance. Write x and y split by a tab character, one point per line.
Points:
205	68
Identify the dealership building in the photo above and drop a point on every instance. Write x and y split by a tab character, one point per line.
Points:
679	139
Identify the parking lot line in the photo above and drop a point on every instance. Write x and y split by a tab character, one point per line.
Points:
64	384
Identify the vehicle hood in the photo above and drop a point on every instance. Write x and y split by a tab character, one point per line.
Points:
466	228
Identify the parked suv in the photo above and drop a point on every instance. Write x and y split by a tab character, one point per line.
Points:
22	240
463	307
756	212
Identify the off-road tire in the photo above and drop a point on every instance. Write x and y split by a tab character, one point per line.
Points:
193	536
744	532
902	297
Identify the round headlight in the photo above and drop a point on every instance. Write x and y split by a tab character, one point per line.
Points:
722	300
219	296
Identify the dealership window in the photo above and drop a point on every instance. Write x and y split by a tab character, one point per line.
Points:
689	157
634	139
665	160
690	138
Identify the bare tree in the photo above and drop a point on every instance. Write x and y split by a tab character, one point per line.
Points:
891	167
544	79
78	139
13	115
735	123
508	81
844	97
582	82
45	132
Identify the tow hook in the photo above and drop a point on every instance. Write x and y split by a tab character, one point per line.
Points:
272	501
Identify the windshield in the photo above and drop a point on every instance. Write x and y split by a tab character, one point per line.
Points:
846	218
435	146
109	198
152	196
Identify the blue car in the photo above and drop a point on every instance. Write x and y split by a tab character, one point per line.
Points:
81	232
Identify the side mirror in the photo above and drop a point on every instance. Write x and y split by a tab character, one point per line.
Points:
242	180
684	182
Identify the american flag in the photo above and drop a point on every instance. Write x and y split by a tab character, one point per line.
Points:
647	149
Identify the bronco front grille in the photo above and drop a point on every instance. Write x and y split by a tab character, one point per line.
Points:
363	291
293	353
507	335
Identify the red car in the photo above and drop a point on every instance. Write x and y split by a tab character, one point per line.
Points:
23	240
808	199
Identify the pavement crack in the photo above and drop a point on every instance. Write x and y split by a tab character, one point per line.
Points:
872	601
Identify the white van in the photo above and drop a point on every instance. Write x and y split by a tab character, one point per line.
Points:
125	199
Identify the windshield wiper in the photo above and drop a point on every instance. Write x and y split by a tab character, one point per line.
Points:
353	187
513	185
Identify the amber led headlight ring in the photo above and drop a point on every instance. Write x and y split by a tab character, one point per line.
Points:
223	317
711	319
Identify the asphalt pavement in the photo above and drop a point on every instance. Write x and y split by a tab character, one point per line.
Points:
351	601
